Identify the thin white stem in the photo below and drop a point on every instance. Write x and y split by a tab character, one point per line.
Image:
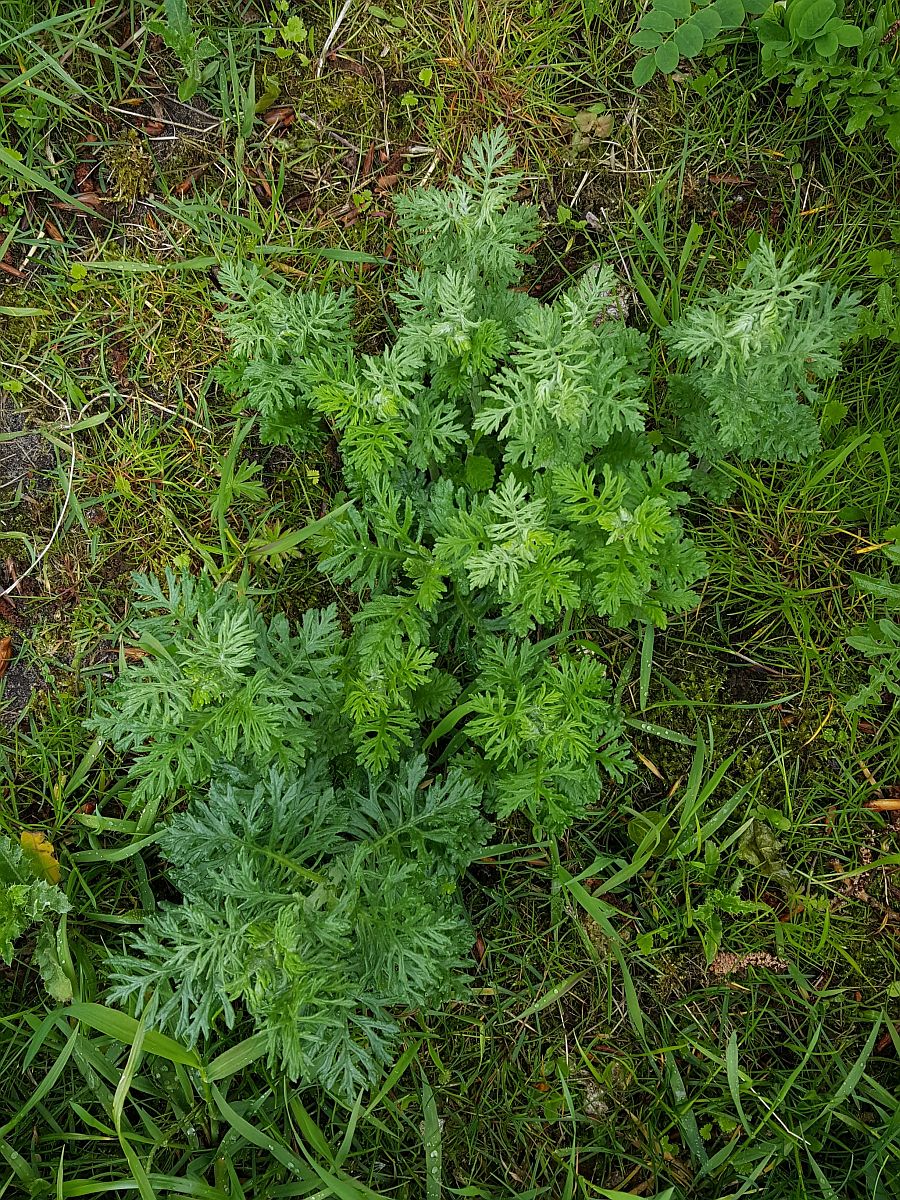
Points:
333	32
71	479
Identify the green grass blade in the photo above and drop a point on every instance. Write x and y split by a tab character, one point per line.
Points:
229	1062
125	1029
431	1136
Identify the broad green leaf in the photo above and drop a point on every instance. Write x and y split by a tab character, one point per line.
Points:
662	731
880	262
832	462
689	39
124	1029
769	30
134	267
19	1167
807	17
396	1072
125	1080
138	1171
268	1142
121	853
708	22
667	57
882	589
651	831
849	35
733	1072
611	1194
646	39
36	1095
643	70
684	1110
601	913
661	22
862	115
12	161
854	1075
675	8
730	12
47	961
339	254
827	44
449	722
311	1131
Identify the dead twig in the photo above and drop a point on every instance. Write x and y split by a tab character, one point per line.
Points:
332	34
64	507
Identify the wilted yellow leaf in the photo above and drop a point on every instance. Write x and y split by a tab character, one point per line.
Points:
40	854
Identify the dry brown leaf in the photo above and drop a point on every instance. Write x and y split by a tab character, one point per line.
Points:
479	950
5	654
590	127
651	767
180	189
283	114
730	180
349	64
91	199
887	805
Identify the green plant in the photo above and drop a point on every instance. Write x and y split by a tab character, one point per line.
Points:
809	44
289	29
198	55
706	917
882	319
676	29
495	452
757	351
282	344
542	727
215	682
29	896
319	909
578	1062
869	87
879	641
804	31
